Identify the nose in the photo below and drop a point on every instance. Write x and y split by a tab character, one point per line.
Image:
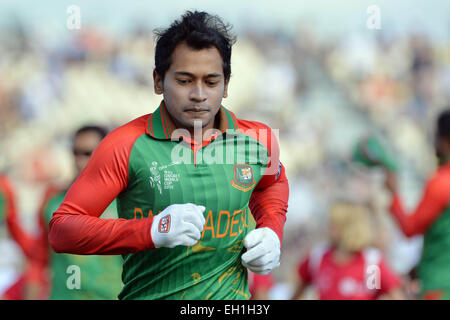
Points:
198	93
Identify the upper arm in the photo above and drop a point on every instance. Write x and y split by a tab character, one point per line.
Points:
435	199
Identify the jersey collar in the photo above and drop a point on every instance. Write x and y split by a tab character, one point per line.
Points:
160	125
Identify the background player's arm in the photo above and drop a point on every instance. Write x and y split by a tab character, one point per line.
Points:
304	279
37	280
434	200
24	240
76	227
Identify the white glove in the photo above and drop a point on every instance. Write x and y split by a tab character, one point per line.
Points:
178	225
263	251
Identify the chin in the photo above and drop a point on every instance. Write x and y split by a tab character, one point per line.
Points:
204	122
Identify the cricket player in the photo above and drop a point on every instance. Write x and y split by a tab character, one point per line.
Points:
431	218
76	277
186	178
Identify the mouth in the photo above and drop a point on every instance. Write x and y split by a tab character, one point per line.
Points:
196	109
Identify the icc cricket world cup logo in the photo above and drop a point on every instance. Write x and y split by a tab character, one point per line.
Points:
155	178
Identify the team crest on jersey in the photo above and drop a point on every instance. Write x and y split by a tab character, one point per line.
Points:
243	178
164	224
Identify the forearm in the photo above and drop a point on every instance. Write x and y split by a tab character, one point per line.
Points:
269	205
404	221
434	200
25	241
84	234
428	210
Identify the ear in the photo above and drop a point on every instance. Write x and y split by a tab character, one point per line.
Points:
225	90
157	83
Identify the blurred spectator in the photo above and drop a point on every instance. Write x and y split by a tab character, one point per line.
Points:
348	268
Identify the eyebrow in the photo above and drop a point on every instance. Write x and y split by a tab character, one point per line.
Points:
184	73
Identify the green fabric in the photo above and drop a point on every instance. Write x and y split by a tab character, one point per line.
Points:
433	269
371	152
212	268
100	276
3	228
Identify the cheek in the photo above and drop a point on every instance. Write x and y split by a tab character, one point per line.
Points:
173	92
81	162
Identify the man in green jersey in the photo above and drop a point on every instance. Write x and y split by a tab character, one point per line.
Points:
75	277
186	178
431	218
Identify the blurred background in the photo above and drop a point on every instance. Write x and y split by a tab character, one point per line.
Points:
314	70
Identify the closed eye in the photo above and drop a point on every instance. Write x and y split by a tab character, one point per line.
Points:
183	81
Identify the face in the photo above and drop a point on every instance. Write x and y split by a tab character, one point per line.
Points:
84	145
193	87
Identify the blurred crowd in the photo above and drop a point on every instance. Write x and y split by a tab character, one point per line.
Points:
322	94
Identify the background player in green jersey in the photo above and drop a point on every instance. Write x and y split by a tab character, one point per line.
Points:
431	218
76	277
183	226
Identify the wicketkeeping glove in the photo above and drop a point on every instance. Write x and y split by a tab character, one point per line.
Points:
178	225
263	251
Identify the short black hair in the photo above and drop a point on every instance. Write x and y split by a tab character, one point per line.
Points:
101	131
443	125
200	30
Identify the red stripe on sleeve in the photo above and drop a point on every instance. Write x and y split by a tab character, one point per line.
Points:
76	227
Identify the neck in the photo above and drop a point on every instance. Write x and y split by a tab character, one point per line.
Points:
197	133
444	159
342	255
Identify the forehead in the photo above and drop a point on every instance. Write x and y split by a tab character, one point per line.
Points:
88	138
198	62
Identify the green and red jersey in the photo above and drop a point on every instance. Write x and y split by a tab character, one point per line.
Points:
99	276
147	165
431	218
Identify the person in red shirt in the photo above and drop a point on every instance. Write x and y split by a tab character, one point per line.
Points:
348	268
